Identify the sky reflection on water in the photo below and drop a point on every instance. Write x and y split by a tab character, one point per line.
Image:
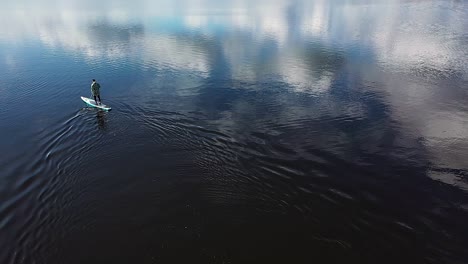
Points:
406	51
292	107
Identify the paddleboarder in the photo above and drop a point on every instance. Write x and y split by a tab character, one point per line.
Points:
95	91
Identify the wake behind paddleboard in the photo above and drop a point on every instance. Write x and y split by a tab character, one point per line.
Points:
93	103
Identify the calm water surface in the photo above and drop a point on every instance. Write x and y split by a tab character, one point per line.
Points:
241	131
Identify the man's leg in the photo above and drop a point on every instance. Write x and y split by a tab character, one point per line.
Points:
95	99
99	97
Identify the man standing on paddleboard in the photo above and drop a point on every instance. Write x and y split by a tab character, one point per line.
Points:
95	91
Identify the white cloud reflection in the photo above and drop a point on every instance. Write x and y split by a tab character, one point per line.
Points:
172	53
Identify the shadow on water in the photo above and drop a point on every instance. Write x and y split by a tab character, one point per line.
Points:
101	119
101	116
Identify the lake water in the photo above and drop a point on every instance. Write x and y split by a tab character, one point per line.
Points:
241	131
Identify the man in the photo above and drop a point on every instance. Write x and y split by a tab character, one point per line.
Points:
95	91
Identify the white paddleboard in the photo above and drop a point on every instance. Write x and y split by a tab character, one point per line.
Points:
93	103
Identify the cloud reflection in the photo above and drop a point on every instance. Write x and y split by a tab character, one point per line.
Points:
398	40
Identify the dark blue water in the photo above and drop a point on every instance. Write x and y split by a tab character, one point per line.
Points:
241	132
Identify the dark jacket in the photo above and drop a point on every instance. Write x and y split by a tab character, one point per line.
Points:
95	88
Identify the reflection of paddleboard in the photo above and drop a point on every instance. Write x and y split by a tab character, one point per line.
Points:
92	103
